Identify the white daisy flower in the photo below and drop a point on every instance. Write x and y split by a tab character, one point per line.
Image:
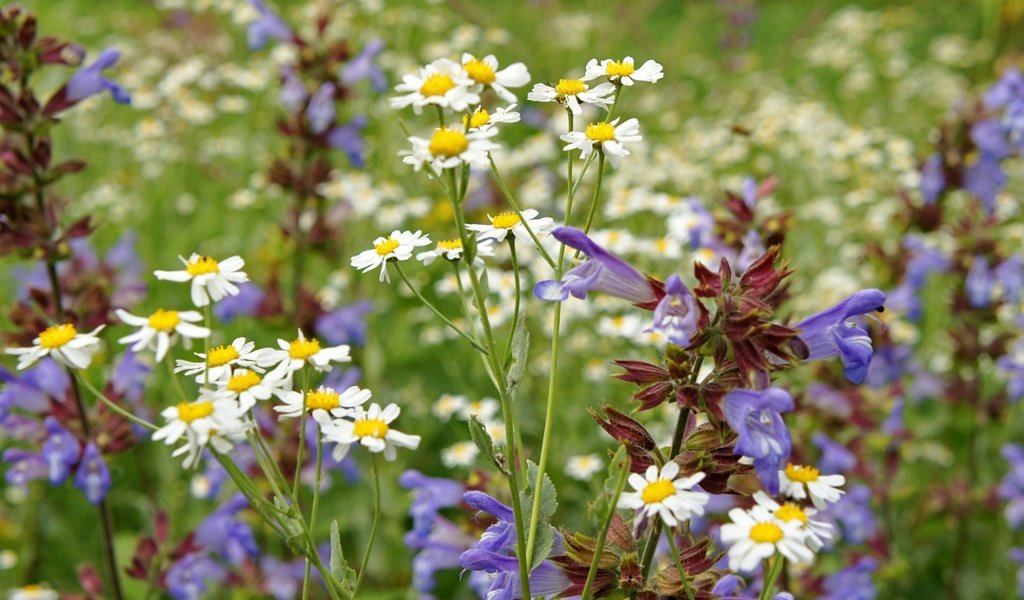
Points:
799	482
447	405
33	592
661	494
444	83
448	148
817	532
157	331
496	429
610	138
583	466
504	222
214	419
481	120
249	386
398	246
483	409
211	280
323	403
462	454
63	343
452	250
485	72
570	92
239	353
372	429
301	351
624	71
757	534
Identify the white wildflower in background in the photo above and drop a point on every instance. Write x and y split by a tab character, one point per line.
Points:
799	482
323	403
461	454
398	246
214	419
623	71
485	72
449	148
212	280
483	409
610	138
443	83
452	250
302	351
239	353
757	534
571	92
660	494
63	343
447	405
370	428
583	466
159	330
481	120
506	222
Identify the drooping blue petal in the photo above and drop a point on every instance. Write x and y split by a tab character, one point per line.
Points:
763	436
93	475
89	80
604	272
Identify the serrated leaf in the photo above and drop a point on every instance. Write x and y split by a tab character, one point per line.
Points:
520	350
483	442
543	543
340	570
548	494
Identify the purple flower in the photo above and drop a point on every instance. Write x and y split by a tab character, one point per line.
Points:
1012	367
25	467
894	422
1009	89
245	303
129	377
439	550
123	258
852	583
1010	274
349	139
835	458
320	112
268	26
293	91
1017	556
979	283
431	495
604	272
756	417
189	577
60	451
228	535
853	511
361	67
985	179
1011	488
345	325
753	248
93	475
32	390
832	332
933	178
676	315
828	399
89	80
282	580
342	379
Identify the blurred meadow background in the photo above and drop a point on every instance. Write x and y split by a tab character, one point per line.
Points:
840	102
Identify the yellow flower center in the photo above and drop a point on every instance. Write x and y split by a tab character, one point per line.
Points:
619	69
570	87
791	512
189	412
478	119
370	428
303	349
448	142
57	335
450	244
164	320
506	220
766	533
801	474
657	491
243	381
386	247
437	85
221	355
324	398
202	266
479	71
601	132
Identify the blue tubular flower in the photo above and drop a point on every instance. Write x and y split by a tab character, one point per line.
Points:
933	178
853	510
676	315
985	179
432	494
93	475
188	578
835	458
293	92
1011	487
439	550
604	272
1010	274
60	451
755	416
852	583
268	26
25	467
282	580
32	389
1012	366
129	377
349	139
244	304
225	533
979	283
831	332
320	112
89	80
362	67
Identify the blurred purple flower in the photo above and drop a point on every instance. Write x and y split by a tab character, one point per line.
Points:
24	467
431	494
440	549
129	377
89	80
933	178
345	325
835	458
320	112
832	332
282	580
752	250
223	532
244	304
756	417
93	475
979	282
31	390
361	67
268	26
1010	275
1011	487
293	91
1017	556
828	399
189	577
853	582
985	179
853	511
604	272
349	139
60	451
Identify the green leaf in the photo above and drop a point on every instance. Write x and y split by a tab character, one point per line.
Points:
542	545
342	573
483	441
520	349
548	494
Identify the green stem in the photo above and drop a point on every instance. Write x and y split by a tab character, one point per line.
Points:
374	470
679	565
597	194
773	574
518	291
519	212
437	312
316	504
174	378
677	443
111	405
620	483
302	435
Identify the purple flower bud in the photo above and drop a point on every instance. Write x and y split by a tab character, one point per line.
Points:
93	476
604	272
60	451
320	112
756	417
89	81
